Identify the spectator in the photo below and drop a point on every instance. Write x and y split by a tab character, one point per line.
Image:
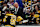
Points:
18	10
11	2
39	5
23	2
35	9
5	6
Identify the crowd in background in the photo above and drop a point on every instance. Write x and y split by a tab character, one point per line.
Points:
22	8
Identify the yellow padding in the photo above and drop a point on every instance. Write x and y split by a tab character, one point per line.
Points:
29	1
4	20
36	15
9	14
9	25
39	11
19	18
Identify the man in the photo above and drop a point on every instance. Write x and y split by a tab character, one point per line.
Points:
39	5
24	3
36	11
5	6
11	2
18	10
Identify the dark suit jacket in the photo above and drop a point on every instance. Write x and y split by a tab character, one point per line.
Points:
20	12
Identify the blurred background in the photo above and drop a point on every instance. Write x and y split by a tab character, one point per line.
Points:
19	12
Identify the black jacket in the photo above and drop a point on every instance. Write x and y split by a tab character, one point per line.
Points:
20	12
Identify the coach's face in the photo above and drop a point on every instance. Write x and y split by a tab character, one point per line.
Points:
16	5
